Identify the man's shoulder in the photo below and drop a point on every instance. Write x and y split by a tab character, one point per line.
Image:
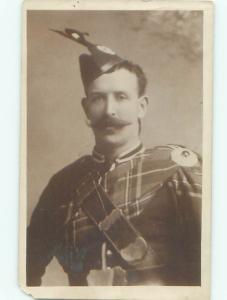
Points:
173	164
74	170
170	155
62	184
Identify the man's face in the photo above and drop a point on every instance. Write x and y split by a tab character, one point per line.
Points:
113	107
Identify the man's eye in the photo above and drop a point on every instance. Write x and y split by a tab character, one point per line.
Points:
97	98
121	97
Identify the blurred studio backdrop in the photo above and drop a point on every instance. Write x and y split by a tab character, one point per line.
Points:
166	44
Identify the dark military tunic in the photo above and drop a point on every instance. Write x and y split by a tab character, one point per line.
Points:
158	190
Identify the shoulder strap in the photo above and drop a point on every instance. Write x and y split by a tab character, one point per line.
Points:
111	221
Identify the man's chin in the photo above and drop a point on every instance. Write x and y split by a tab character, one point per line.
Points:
109	140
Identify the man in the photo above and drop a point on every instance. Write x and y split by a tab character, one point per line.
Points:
123	215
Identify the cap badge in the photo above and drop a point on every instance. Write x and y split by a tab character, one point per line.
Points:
184	157
105	49
75	35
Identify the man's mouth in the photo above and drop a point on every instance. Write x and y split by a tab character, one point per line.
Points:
110	129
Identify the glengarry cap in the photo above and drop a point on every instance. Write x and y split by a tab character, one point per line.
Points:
100	60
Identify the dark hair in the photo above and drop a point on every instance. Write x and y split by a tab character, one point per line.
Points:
133	68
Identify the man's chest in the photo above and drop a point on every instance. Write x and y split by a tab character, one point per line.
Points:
143	198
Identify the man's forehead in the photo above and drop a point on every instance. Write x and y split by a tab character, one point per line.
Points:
121	79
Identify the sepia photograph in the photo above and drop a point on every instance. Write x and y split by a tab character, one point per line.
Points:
116	149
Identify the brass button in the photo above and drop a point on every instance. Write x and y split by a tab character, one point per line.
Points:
109	252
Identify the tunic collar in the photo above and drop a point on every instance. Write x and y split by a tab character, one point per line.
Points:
125	156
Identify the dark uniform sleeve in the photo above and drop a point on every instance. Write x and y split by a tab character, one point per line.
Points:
186	185
41	237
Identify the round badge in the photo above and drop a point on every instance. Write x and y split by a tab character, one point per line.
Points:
106	50
184	157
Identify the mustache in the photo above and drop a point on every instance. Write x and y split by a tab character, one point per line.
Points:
110	121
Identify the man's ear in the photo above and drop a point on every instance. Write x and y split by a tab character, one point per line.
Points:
84	105
143	104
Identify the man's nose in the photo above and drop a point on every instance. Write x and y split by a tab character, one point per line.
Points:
111	105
